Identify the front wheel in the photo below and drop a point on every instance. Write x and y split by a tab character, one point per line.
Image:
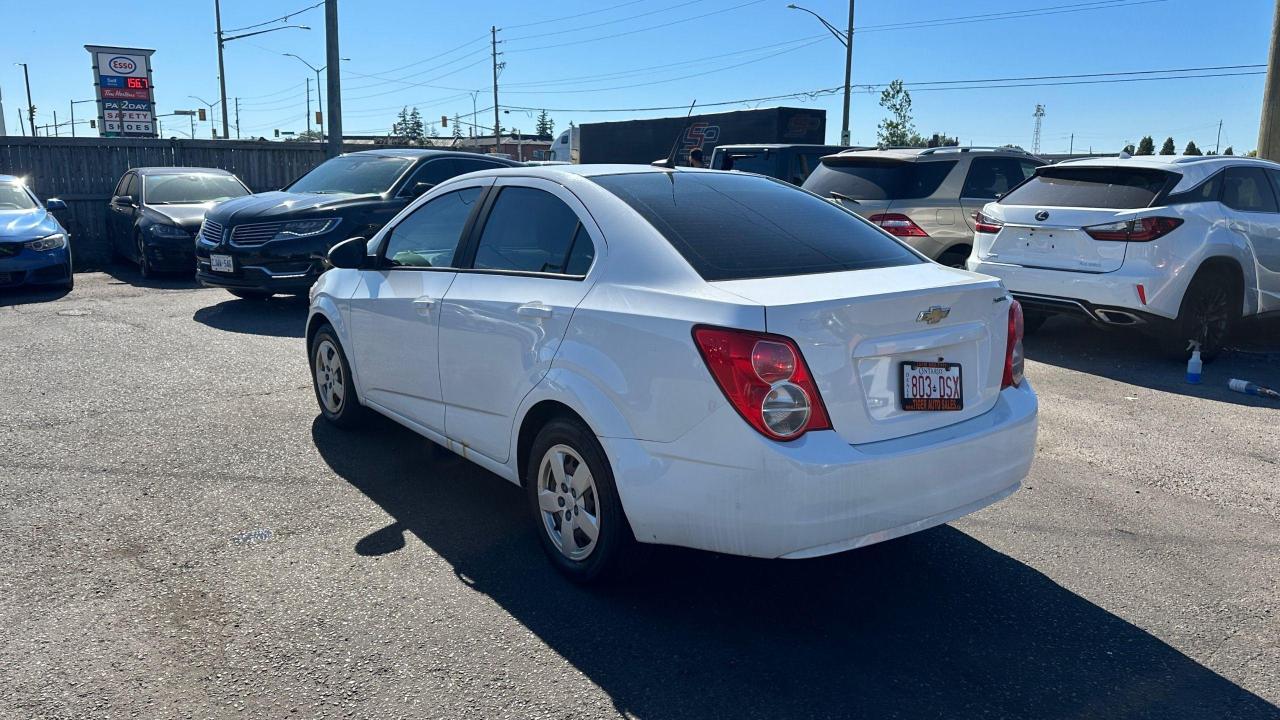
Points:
1209	311
144	265
331	379
575	506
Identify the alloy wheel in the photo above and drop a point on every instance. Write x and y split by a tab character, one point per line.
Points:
1211	318
144	265
331	383
569	502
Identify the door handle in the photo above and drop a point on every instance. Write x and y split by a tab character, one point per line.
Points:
534	310
423	305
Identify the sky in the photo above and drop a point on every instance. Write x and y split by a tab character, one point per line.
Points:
576	58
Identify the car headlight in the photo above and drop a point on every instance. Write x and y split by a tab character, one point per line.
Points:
49	242
169	231
305	228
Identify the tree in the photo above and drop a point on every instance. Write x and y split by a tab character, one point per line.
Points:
306	136
896	129
1146	146
1168	148
1229	151
941	140
1128	149
1191	149
415	125
545	125
457	127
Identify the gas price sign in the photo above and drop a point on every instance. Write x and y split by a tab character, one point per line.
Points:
126	100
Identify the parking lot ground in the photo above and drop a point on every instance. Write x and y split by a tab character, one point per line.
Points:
180	536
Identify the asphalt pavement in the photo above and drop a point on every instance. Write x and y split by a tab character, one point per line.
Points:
182	537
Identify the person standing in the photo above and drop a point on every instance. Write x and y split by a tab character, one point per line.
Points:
695	158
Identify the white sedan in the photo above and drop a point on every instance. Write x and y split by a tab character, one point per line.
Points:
714	360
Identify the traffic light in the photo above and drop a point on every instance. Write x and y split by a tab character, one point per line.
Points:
277	132
319	118
444	121
202	115
93	124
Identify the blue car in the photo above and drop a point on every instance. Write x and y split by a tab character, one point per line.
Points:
35	250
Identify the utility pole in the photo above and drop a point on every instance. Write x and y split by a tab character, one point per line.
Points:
848	76
222	73
1072	151
308	106
237	118
55	123
497	118
1035	139
1217	145
31	107
1269	128
334	66
474	113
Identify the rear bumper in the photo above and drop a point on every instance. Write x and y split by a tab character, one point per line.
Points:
1105	297
722	487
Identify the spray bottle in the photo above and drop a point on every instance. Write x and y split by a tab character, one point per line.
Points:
1248	388
1194	365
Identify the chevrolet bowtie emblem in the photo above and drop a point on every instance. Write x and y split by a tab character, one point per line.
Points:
933	315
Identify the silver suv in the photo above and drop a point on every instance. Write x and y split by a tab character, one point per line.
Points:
926	196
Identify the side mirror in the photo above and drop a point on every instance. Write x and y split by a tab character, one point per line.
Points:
352	253
420	188
54	204
122	200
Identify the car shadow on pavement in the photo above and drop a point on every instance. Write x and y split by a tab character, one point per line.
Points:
282	316
1133	358
30	296
126	273
936	624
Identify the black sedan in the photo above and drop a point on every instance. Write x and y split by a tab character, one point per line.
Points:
275	242
156	211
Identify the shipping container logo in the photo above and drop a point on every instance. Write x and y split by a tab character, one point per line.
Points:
700	134
800	125
122	65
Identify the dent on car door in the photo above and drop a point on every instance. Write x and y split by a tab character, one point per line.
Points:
395	310
504	318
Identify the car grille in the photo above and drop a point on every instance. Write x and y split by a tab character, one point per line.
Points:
10	249
255	234
211	232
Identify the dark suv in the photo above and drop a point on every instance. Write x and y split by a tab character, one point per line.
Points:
792	163
268	243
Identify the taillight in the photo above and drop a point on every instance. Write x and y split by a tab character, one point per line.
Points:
1013	358
984	223
766	380
1139	230
898	224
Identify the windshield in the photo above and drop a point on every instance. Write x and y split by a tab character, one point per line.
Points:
189	189
1112	188
355	174
733	227
15	197
876	179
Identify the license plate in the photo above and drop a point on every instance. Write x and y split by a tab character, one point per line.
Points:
221	263
932	386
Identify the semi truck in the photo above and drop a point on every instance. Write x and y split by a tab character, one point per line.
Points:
644	141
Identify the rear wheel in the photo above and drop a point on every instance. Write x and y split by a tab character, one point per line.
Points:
144	265
250	294
575	506
1210	310
954	257
331	379
1032	320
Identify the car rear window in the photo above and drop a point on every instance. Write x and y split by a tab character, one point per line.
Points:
734	227
1112	188
878	179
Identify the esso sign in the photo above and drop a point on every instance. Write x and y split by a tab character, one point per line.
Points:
122	65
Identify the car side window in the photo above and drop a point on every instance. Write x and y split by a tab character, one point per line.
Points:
990	177
133	187
466	165
122	187
1246	189
1028	169
432	172
529	230
429	236
581	254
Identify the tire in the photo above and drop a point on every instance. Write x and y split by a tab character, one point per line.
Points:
70	284
1209	312
954	257
592	500
250	294
1032	322
332	381
144	265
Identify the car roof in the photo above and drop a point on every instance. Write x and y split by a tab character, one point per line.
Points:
179	171
934	153
1192	168
553	172
778	146
426	152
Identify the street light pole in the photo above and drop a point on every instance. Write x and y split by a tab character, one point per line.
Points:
333	61
31	107
222	72
846	39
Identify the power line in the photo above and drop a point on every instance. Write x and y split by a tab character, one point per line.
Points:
271	94
1005	15
684	3
282	18
418	62
640	30
575	16
404	81
424	83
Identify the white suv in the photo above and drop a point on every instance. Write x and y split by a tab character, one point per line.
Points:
1179	246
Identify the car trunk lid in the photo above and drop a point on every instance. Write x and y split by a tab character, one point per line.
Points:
856	329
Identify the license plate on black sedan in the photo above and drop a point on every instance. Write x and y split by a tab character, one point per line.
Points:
221	263
932	386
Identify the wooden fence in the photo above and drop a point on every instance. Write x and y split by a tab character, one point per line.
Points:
84	172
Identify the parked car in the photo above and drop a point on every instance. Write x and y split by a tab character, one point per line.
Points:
793	163
155	213
925	196
688	357
1181	247
275	242
34	247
